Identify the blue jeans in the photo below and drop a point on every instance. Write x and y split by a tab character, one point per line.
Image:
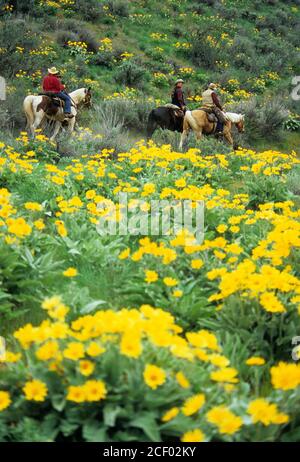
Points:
220	126
66	98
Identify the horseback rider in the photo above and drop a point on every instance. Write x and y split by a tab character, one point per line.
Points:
210	100
53	85
178	98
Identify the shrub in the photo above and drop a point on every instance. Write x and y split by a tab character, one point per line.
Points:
293	182
87	37
90	11
84	142
24	6
103	58
118	7
292	123
79	65
274	52
76	32
16	33
131	74
133	113
64	36
11	110
263	121
162	137
202	52
110	125
198	8
227	12
209	145
243	52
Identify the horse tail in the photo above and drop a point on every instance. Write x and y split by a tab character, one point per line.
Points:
28	109
190	120
151	125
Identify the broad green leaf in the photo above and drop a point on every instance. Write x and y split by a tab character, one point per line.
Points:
148	424
110	413
93	432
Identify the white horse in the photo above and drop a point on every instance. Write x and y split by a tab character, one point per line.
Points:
234	117
35	108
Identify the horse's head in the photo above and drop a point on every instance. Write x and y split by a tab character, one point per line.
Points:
176	116
240	125
87	101
82	97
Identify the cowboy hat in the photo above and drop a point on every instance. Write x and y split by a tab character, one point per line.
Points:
53	70
179	81
212	86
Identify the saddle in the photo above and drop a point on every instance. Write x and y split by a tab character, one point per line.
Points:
57	102
210	114
176	110
172	106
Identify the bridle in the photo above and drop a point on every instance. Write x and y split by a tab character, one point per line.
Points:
85	102
240	127
87	99
73	103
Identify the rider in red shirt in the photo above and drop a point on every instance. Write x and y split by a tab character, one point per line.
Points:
52	84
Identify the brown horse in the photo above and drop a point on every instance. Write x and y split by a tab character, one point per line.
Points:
198	122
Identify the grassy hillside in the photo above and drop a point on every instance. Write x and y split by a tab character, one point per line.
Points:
135	50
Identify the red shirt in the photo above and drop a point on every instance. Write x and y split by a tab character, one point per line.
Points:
52	83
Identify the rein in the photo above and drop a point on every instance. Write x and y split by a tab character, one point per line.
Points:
74	104
214	129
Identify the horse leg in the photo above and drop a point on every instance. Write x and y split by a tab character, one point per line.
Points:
37	122
185	131
29	122
29	113
56	130
198	134
228	137
31	128
71	125
183	138
227	133
151	126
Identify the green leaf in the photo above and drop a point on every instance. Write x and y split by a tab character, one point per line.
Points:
94	433
124	436
176	426
92	306
110	413
67	427
148	424
50	426
58	402
291	436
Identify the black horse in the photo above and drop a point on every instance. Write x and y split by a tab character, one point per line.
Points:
165	117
